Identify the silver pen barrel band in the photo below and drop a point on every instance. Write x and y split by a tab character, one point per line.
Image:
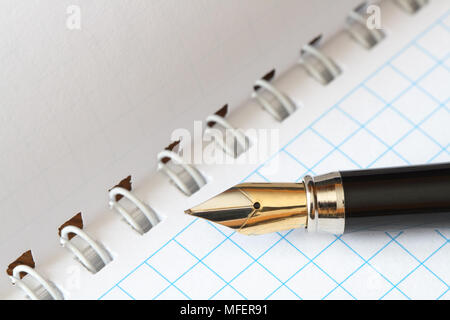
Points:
325	203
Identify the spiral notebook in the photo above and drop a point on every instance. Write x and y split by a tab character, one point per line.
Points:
96	209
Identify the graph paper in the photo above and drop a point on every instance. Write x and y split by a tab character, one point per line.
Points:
399	115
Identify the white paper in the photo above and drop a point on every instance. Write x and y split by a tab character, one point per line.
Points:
203	261
186	258
84	108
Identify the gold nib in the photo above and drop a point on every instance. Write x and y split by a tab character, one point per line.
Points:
257	208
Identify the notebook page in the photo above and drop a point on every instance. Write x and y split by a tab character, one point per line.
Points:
87	103
371	125
133	280
351	126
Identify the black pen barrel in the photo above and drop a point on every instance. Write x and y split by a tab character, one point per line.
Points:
380	195
337	202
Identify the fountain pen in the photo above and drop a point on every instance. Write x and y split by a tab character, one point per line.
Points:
335	202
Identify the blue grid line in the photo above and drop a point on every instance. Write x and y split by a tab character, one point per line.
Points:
440	233
179	277
301	133
337	147
259	167
273	275
171	283
391	147
310	127
193	266
415	126
388	147
407	46
201	260
404	136
367	262
364	126
176	235
262	176
445	26
416	82
292	140
315	264
124	291
443	294
297	160
412	271
310	261
334	147
142	263
439	62
361	126
255	260
117	284
421	263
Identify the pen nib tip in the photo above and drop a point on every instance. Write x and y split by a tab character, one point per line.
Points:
256	208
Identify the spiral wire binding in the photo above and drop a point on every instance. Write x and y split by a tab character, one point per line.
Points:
318	65
185	176
240	142
356	26
188	179
142	219
279	111
412	6
42	288
89	252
